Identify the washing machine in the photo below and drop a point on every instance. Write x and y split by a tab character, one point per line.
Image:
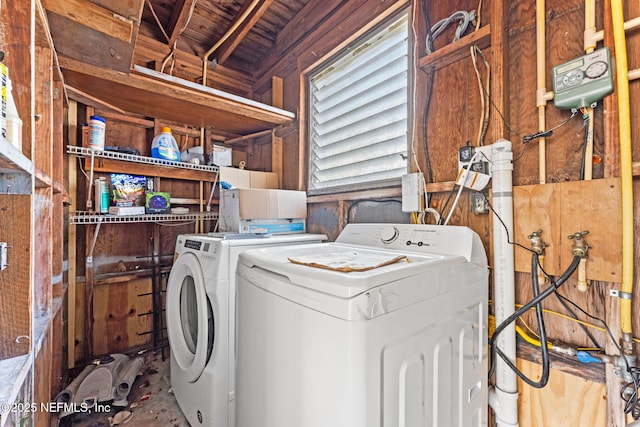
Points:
200	310
386	326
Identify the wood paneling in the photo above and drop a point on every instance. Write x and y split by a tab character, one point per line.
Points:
42	383
42	252
44	110
563	209
15	280
120	319
566	401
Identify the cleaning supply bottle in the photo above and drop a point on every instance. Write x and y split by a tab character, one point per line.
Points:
164	146
14	123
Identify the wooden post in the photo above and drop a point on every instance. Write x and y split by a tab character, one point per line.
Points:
72	124
499	67
277	100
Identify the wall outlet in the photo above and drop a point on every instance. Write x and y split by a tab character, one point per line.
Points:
479	204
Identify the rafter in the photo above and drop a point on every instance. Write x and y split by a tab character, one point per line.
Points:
179	18
239	29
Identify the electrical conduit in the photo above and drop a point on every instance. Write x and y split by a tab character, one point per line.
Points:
503	398
542	96
589	46
626	174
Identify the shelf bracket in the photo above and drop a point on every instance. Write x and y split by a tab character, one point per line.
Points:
93	243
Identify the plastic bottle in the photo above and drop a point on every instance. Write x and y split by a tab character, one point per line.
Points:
97	128
14	123
4	75
164	146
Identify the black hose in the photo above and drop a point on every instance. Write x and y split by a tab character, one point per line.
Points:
526	307
544	377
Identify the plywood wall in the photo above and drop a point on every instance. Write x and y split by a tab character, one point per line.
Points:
567	400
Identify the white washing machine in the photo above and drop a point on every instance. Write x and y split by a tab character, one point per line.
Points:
400	345
200	310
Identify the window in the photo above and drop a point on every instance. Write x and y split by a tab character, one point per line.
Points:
358	113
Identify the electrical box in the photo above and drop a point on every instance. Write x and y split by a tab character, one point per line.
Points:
412	192
583	81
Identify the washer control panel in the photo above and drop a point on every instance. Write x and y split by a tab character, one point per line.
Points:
583	81
414	238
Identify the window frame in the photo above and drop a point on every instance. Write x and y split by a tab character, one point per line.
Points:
349	45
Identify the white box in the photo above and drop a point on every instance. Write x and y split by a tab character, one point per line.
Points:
221	155
240	205
126	210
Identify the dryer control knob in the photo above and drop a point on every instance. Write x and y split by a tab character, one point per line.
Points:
389	234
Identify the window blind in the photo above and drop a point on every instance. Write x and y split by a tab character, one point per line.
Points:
358	122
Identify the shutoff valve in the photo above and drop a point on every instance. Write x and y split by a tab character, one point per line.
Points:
580	247
537	245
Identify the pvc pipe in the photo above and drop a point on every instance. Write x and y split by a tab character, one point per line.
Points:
626	172
589	25
541	78
588	150
542	278
589	46
505	393
582	283
598	36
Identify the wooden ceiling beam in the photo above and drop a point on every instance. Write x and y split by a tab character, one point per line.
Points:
304	23
93	16
179	18
149	49
245	24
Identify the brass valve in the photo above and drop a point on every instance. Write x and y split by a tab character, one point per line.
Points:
580	247
537	245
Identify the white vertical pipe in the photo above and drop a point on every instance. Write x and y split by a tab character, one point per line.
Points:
504	398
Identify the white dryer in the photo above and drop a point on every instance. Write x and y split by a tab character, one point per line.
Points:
400	345
200	310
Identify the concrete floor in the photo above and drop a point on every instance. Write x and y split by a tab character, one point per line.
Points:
150	401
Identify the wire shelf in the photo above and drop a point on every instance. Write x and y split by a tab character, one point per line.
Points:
114	155
83	217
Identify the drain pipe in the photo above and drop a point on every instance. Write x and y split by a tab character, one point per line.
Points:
503	397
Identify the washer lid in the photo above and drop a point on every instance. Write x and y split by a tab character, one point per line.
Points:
340	283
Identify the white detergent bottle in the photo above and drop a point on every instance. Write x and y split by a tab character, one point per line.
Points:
164	146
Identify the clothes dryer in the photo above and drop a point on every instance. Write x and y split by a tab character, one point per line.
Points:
200	310
387	326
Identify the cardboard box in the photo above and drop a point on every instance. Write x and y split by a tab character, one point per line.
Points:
245	179
241	205
157	202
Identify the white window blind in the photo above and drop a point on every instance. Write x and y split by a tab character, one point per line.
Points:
358	115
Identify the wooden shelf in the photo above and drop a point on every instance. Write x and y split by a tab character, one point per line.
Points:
172	99
13	373
457	50
12	160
